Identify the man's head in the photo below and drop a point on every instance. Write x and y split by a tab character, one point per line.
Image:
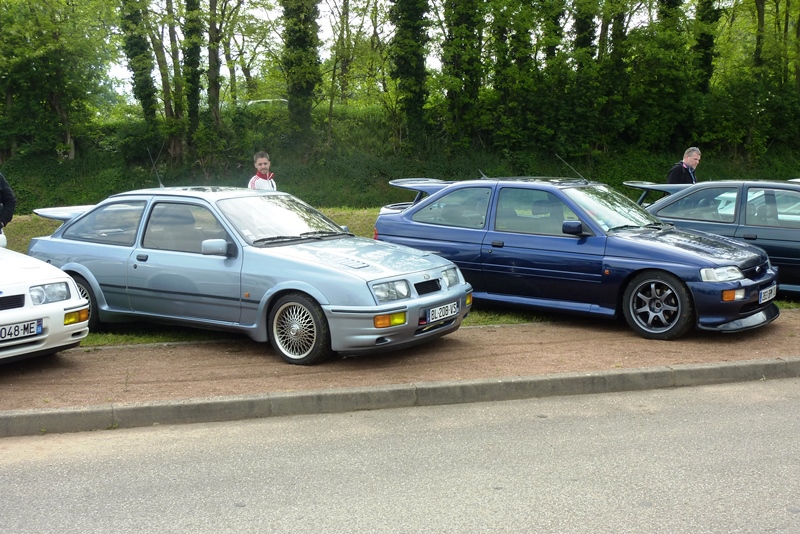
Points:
261	162
692	157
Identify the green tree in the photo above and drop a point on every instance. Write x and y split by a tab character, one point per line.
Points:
54	57
462	69
140	58
192	46
301	62
407	54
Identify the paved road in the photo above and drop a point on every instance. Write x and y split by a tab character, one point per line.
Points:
708	459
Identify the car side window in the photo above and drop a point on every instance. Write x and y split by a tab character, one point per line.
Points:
773	207
713	204
788	208
181	227
111	224
531	211
464	208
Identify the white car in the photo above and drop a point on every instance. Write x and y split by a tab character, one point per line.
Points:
41	310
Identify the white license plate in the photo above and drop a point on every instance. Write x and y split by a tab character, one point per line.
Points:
442	312
14	331
765	295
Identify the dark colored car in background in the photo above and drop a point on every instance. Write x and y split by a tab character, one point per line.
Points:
575	246
762	213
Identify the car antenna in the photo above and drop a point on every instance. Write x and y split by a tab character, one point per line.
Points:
155	169
483	176
570	166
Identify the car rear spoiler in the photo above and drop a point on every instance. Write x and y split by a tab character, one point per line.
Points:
63	214
423	186
647	187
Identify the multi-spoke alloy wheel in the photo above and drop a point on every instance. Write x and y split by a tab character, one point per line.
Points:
298	330
657	305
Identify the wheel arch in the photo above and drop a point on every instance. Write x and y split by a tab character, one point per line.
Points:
620	297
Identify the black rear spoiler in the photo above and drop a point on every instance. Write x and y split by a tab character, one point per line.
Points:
647	187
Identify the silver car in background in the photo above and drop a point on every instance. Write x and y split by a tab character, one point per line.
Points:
265	264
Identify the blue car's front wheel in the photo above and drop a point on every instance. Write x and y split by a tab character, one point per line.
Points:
298	330
657	305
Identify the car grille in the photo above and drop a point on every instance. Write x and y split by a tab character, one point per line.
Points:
14	301
429	286
756	272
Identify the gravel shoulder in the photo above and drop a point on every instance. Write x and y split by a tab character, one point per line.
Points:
140	373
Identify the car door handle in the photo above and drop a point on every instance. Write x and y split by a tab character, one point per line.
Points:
750	236
498	244
141	257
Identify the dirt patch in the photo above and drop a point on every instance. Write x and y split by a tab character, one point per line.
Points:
88	377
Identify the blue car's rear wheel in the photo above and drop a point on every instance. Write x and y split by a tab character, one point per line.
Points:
298	330
657	305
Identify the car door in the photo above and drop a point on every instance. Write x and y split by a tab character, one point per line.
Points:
771	220
169	276
525	255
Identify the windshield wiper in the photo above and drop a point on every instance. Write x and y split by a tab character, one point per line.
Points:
624	227
276	238
323	233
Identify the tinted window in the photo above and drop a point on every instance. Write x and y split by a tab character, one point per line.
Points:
112	224
530	211
465	208
773	207
709	204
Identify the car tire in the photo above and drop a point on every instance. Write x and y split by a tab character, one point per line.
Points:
85	291
657	305
298	330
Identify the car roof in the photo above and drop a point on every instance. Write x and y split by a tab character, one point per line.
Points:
209	192
432	185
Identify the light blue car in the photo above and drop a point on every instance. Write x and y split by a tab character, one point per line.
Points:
262	263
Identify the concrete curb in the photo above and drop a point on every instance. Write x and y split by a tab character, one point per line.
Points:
208	410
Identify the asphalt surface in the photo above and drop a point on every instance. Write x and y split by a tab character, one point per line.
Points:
205	410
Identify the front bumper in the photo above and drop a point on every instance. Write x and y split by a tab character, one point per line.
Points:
353	331
55	335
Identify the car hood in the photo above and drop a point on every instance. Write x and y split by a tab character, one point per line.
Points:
366	258
19	268
684	243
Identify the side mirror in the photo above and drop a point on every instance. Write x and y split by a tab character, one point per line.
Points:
572	228
214	247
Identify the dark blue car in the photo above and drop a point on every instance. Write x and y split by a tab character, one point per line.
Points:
581	247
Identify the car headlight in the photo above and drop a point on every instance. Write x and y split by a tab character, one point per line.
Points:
721	274
389	291
451	276
49	293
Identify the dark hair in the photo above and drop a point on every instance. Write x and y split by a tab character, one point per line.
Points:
259	155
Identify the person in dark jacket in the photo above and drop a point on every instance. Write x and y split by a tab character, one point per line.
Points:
8	202
683	171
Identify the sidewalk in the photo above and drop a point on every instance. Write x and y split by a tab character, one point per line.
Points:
337	400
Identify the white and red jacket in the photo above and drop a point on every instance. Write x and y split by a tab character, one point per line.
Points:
259	181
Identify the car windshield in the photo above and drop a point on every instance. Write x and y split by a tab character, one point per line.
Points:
276	219
609	208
